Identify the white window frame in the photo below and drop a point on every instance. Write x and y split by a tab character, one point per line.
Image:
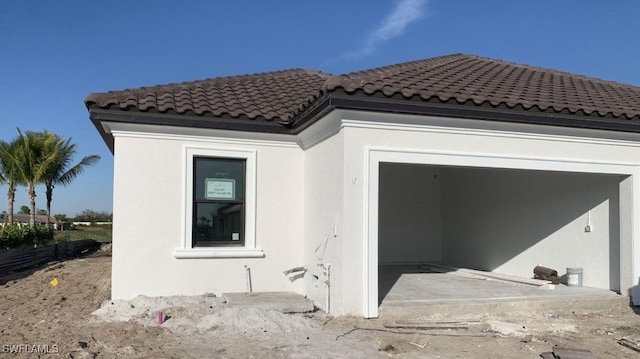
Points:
249	250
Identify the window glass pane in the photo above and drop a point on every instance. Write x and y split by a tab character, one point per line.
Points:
219	179
218	222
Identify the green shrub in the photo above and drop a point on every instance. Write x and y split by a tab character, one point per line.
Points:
44	234
21	236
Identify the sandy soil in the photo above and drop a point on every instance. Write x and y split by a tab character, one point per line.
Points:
76	319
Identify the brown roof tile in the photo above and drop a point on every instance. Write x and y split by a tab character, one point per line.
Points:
482	81
282	96
267	96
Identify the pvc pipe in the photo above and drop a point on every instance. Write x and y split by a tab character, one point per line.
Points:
296	269
248	274
327	283
328	269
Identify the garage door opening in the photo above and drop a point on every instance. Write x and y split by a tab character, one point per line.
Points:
497	220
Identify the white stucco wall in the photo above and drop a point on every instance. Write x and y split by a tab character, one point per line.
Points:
314	197
323	221
409	219
148	226
509	221
452	142
505	221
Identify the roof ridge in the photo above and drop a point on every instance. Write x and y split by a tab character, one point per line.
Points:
338	81
225	79
437	61
406	64
460	56
554	71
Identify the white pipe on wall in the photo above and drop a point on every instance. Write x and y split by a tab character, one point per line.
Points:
327	283
248	274
328	295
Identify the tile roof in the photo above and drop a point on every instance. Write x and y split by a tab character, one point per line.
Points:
282	97
267	96
483	81
25	218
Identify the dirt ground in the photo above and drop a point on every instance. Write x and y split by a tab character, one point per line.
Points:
76	319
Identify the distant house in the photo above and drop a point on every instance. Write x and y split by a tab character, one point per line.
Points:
459	159
26	218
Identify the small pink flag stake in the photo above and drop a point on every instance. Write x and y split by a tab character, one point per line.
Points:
160	318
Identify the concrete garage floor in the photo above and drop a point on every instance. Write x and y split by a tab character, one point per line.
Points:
408	288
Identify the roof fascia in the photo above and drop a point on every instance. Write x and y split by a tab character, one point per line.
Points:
99	116
180	133
320	107
318	131
337	119
106	135
324	105
343	101
409	122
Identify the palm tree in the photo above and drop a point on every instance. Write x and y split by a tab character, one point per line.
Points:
60	170
9	174
31	162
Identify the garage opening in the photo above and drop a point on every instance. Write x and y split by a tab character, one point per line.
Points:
504	221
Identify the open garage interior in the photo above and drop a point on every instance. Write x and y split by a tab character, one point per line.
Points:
505	221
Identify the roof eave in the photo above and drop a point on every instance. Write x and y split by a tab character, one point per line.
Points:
335	100
98	116
106	136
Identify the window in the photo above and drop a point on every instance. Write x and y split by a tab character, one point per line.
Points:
218	201
219	204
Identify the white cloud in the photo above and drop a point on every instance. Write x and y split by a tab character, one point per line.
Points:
404	13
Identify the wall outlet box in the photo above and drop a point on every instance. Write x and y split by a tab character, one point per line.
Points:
587	228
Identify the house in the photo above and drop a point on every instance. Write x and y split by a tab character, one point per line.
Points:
303	181
41	219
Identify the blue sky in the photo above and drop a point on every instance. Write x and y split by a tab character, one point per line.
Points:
54	53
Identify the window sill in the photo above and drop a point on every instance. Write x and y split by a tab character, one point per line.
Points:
186	253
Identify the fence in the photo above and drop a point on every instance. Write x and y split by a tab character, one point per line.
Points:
17	259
